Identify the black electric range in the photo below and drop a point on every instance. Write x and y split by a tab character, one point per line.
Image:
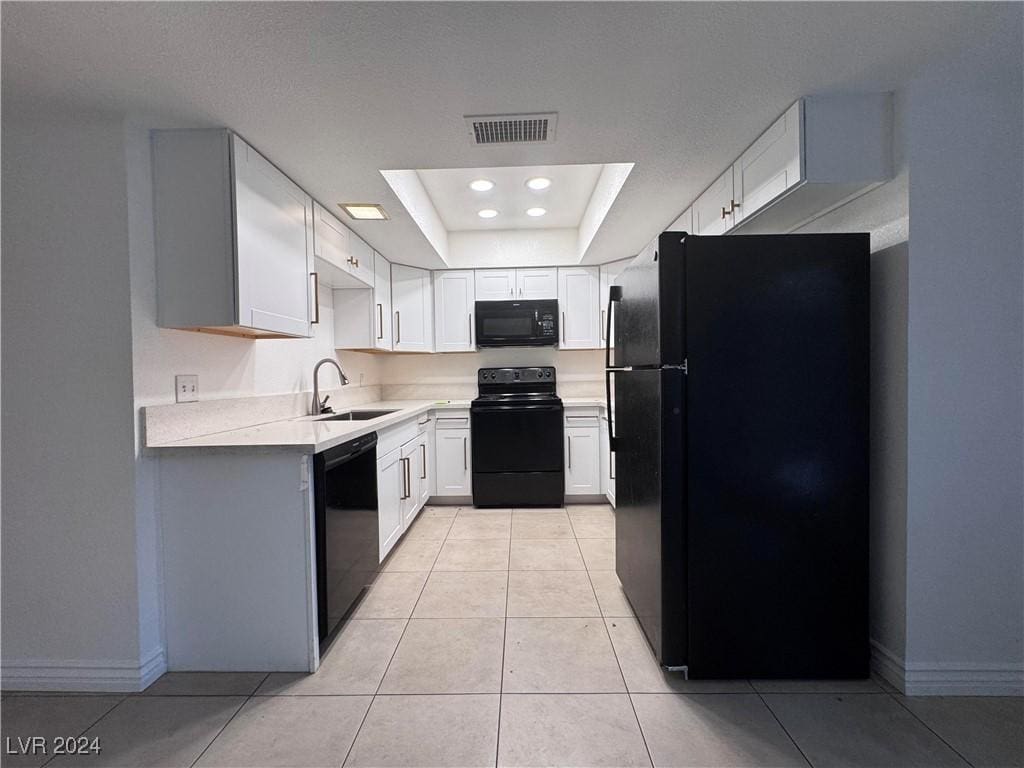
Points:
516	423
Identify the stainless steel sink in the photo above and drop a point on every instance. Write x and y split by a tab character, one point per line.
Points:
356	416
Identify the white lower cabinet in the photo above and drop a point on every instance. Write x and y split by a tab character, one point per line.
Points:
582	461
452	467
411	483
390	490
607	464
424	468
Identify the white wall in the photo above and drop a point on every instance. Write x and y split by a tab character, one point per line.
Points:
965	515
69	552
513	248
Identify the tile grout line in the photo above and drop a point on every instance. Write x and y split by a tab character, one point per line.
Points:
89	727
373	696
933	731
504	641
230	719
615	654
785	730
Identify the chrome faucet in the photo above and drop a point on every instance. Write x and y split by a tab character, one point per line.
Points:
318	405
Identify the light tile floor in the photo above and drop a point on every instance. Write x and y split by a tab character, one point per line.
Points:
503	638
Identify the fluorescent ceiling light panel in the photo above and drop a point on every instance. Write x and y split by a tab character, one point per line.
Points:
364	211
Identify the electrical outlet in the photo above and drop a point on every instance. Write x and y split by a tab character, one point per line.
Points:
186	388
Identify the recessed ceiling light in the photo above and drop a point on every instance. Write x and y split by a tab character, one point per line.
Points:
535	211
538	183
364	211
481	185
487	213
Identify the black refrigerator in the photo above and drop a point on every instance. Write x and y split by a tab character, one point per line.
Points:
738	402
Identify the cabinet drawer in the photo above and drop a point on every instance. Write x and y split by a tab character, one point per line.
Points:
454	419
581	417
394	437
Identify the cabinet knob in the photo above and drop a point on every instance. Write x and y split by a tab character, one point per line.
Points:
725	212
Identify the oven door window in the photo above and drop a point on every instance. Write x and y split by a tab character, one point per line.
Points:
510	325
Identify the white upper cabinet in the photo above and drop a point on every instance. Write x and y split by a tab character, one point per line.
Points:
521	283
454	296
495	284
362	316
608	274
412	309
234	239
538	283
343	259
821	153
578	303
381	310
713	210
274	245
770	165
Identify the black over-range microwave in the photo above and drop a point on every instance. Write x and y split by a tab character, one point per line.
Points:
525	323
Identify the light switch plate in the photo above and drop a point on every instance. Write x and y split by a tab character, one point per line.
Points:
186	388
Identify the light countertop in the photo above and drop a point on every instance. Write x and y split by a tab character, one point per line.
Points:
307	434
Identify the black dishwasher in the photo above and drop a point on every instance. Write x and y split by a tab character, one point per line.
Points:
345	485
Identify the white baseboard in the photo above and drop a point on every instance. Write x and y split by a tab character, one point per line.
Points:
78	675
946	678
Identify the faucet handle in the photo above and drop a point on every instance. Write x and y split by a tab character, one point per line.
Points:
324	407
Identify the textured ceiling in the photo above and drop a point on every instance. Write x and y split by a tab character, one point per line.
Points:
334	92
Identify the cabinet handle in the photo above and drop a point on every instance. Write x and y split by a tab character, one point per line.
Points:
355	263
398	327
563	327
380	321
568	439
602	325
316	297
465	460
733	205
423	448
471	329
725	212
406	484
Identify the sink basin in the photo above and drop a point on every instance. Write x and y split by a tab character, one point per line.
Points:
355	416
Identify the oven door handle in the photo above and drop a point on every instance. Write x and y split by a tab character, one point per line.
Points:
499	408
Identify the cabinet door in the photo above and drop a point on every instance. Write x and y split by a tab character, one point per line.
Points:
712	211
362	265
425	466
390	489
381	320
495	284
330	238
582	461
412	308
607	464
770	166
274	246
454	292
410	482
452	467
578	302
537	283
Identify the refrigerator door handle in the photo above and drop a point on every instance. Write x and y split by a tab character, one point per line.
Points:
608	407
614	294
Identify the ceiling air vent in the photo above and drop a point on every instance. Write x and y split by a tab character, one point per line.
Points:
537	128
